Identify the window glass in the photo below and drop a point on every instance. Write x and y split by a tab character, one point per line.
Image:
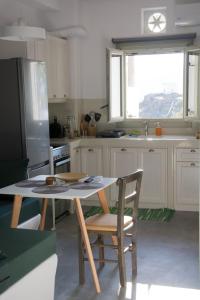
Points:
116	86
154	86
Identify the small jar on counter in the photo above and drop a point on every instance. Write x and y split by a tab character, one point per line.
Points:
198	134
158	129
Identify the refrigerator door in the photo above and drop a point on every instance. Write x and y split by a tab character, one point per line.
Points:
36	111
11	110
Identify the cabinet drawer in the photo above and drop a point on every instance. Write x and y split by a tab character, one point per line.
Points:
189	154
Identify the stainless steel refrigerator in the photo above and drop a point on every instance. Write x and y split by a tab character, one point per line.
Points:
24	124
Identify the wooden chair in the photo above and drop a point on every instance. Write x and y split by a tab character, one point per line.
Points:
118	226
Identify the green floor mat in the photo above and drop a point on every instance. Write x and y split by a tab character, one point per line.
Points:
144	214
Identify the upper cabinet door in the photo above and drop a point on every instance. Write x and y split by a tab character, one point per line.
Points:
51	67
62	69
115	84
57	68
192	80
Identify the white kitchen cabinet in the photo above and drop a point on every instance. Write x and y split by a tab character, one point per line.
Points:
57	68
92	161
154	182
123	161
187	186
34	50
186	183
188	154
75	165
53	51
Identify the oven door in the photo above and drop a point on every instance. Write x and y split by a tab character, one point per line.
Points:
62	166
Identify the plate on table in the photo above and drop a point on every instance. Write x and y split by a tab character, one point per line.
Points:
50	189
30	183
70	177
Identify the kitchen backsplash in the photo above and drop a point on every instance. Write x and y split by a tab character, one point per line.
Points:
76	108
61	111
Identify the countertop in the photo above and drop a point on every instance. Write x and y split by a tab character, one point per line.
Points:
60	141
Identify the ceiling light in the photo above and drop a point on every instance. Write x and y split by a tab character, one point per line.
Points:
21	32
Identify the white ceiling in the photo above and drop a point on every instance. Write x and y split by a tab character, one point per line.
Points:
52	5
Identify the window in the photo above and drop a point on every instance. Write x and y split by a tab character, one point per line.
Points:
153	85
193	83
116	87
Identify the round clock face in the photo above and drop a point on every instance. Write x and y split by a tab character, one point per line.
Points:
157	22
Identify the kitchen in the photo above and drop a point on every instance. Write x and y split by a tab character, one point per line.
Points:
76	75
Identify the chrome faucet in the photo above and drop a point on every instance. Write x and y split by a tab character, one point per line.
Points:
146	128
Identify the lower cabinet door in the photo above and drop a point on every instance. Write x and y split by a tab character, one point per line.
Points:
75	165
123	161
154	181
91	161
187	186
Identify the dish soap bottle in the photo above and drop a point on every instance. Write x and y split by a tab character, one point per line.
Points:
158	129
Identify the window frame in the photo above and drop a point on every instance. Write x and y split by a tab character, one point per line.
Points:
110	54
185	51
186	86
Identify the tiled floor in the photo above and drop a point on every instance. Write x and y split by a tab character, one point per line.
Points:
168	266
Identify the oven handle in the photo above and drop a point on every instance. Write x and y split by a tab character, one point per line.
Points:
62	162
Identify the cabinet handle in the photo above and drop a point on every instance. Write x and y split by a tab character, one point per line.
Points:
192	164
65	96
123	149
192	150
54	96
77	151
151	150
91	150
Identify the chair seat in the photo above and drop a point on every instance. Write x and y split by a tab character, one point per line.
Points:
105	222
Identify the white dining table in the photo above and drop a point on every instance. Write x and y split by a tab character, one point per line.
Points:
75	195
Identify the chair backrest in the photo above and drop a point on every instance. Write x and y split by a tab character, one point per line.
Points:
133	197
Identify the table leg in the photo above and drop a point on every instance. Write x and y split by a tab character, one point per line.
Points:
104	204
86	241
43	214
17	204
103	201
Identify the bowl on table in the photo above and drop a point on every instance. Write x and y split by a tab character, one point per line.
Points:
70	176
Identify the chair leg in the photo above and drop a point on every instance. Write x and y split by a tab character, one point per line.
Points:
134	254
81	258
121	262
134	259
101	250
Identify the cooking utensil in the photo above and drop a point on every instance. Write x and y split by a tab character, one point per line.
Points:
87	118
97	117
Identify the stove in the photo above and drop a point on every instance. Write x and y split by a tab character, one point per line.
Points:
60	163
60	152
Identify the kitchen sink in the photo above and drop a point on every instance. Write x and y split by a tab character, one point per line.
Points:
154	137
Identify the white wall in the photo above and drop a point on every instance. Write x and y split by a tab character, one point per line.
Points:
67	16
106	19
